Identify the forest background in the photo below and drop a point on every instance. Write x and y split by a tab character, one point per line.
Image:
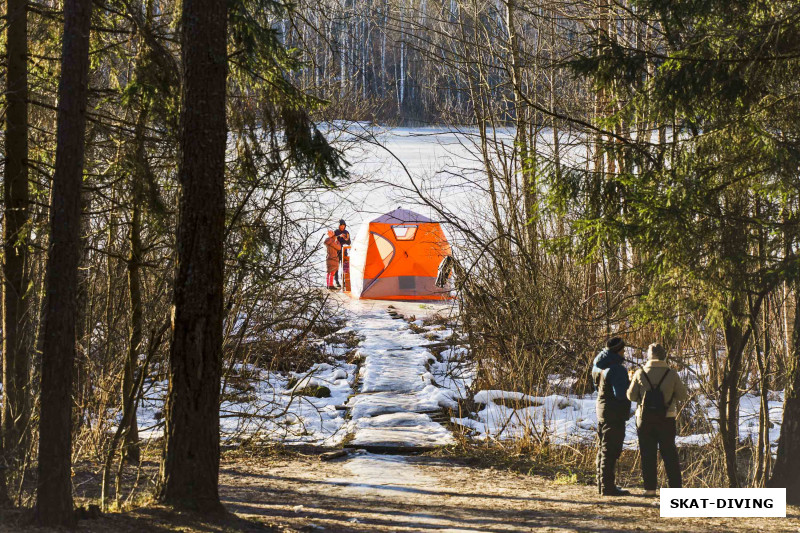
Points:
637	171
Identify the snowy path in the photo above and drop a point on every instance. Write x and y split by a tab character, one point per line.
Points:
398	393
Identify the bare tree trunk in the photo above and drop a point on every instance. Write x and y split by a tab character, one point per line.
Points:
384	29
343	54
729	390
131	445
16	407
763	353
786	471
82	379
401	91
763	348
598	177
54	506
190	469
527	159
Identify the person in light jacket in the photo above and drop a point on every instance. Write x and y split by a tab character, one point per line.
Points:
656	423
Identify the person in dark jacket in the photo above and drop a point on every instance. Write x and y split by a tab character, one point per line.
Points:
343	236
613	411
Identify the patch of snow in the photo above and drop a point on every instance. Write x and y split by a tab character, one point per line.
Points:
426	400
268	408
399	383
571	419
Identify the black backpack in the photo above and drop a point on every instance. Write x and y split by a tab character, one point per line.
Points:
653	403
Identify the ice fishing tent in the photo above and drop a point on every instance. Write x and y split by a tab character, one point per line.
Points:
396	257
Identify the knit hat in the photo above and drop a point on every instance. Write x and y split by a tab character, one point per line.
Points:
615	344
656	352
342	222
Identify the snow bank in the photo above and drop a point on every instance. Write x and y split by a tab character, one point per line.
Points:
749	411
571	419
565	419
268	408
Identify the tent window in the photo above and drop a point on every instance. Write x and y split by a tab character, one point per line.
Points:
404	232
385	249
407	283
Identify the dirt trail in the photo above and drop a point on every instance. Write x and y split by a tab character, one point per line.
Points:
394	493
365	492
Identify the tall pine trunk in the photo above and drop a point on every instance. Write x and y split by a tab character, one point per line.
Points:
729	392
131	446
786	471
190	469
54	506
16	407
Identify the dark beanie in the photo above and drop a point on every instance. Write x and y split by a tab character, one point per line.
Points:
615	344
342	222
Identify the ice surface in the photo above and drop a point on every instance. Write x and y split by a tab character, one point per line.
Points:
382	474
401	430
398	385
367	405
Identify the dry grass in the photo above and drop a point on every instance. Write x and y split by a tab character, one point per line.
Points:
702	466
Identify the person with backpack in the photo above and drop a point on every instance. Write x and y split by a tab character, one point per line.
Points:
613	411
657	389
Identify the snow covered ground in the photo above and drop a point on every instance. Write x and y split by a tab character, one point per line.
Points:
398	390
390	399
270	409
571	419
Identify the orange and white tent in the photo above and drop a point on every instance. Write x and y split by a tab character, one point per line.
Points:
397	256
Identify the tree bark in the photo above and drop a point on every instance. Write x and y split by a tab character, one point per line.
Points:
190	469
131	446
786	471
729	392
763	348
16	407
54	506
